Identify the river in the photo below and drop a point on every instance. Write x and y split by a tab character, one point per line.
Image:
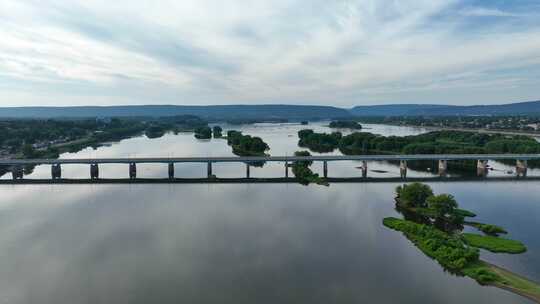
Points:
240	243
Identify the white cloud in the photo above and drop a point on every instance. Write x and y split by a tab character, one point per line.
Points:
211	51
486	12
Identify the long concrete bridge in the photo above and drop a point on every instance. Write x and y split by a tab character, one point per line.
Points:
17	165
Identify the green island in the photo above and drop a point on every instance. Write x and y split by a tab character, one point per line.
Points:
345	124
217	131
436	142
247	145
203	132
303	173
318	142
155	131
434	224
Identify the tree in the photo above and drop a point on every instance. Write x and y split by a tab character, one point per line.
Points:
28	151
304	133
414	195
443	205
319	142
301	154
217	130
345	124
203	133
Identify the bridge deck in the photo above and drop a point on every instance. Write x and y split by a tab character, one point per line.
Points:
232	159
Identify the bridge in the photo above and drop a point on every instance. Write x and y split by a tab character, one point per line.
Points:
17	165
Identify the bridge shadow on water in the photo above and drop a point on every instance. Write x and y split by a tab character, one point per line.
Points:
218	180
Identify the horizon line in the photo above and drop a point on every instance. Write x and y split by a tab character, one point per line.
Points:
267	104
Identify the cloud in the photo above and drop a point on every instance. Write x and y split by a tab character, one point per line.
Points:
487	12
209	51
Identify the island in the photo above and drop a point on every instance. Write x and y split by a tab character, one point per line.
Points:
217	131
345	124
247	145
434	224
203	132
155	131
319	142
436	142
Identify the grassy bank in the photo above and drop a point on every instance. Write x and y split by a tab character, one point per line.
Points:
494	244
516	283
487	228
489	274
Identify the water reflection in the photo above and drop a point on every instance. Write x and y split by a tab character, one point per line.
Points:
208	244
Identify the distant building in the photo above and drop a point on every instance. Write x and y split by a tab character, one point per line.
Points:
534	126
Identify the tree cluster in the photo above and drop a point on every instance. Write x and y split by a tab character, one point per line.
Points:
203	132
303	173
345	124
246	145
319	142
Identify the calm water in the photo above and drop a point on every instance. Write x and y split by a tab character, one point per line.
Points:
269	243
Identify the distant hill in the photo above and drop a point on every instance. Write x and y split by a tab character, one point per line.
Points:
521	108
270	112
292	112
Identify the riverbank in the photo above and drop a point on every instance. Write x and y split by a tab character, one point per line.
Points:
481	131
484	131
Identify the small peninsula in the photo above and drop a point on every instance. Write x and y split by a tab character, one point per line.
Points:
434	224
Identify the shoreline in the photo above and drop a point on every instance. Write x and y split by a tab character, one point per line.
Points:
507	274
484	131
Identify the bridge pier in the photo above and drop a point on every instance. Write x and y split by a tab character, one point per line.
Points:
17	172
132	170
364	169
209	172
286	169
482	168
171	170
248	173
94	171
56	171
443	167
325	169
403	169
521	168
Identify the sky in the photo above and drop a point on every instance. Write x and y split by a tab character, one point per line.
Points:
197	52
